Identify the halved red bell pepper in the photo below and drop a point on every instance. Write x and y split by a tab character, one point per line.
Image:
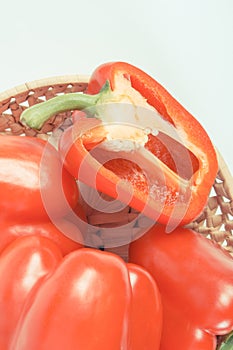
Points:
161	151
195	278
87	300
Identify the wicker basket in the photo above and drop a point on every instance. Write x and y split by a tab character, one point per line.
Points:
216	221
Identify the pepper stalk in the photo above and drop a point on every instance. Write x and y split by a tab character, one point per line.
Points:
36	115
226	342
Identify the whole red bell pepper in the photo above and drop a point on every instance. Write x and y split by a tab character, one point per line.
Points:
87	300
33	184
142	136
65	234
195	278
37	195
23	264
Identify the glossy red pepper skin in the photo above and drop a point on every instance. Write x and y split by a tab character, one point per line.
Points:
33	184
60	233
91	300
75	148
195	278
146	310
183	332
23	264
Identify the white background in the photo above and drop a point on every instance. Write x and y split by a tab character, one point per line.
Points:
186	45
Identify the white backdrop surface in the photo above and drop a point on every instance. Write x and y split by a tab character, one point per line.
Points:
186	45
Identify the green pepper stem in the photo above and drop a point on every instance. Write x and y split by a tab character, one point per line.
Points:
226	342
36	115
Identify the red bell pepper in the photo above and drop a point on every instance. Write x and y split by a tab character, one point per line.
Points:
23	264
35	190
142	136
33	184
65	234
195	278
87	300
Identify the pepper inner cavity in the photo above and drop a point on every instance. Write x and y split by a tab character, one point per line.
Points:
163	147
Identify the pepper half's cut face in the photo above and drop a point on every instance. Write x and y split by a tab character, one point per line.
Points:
150	170
136	144
172	152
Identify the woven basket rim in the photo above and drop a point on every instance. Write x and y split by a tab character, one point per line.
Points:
34	84
225	172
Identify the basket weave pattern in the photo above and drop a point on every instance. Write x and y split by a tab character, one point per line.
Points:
215	222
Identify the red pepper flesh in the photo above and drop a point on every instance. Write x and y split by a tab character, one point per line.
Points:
155	156
185	172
